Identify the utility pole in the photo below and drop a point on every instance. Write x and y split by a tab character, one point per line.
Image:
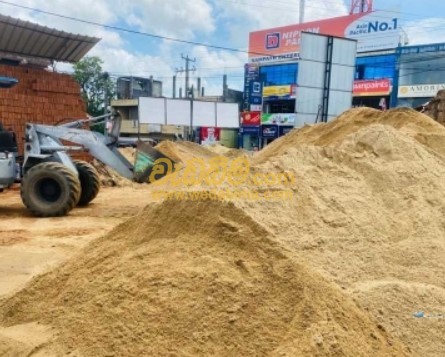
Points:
188	92
302	8
187	70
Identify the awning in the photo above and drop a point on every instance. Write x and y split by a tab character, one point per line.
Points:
26	39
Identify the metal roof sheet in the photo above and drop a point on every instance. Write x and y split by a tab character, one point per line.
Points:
23	38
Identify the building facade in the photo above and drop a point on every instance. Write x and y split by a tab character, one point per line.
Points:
388	73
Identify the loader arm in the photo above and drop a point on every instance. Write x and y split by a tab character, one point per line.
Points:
44	141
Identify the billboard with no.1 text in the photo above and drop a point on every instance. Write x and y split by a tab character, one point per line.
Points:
376	30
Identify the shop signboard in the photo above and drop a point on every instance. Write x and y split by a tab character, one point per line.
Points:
375	30
251	118
210	135
256	107
255	93
283	130
420	90
250	130
277	91
269	131
408	50
374	87
279	119
252	86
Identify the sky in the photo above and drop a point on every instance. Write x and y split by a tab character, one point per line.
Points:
222	23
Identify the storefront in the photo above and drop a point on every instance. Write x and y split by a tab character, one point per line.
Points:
274	53
283	130
268	134
249	138
372	93
420	74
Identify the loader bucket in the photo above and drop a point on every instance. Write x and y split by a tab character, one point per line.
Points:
150	164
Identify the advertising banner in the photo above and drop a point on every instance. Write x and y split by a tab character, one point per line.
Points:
420	90
250	130
278	91
210	135
251	118
372	87
376	30
252	86
283	130
269	131
278	119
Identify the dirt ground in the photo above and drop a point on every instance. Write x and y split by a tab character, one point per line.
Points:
30	246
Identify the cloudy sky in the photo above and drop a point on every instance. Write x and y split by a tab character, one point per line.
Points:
224	23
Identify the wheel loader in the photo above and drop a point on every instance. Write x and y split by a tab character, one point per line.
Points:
51	183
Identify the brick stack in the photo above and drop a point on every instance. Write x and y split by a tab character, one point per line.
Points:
40	97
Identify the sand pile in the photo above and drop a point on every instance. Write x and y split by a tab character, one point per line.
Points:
368	212
110	178
194	278
129	153
218	149
183	151
360	244
419	126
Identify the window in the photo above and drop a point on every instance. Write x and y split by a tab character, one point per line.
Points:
375	67
283	74
279	106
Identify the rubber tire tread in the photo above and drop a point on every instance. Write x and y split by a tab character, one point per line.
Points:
89	182
70	184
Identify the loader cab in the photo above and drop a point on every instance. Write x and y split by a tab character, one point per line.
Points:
8	140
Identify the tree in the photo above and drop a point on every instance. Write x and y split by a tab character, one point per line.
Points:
95	84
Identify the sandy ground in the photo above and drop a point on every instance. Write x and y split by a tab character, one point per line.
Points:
30	246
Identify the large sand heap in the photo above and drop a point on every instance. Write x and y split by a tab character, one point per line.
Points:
369	213
194	278
419	126
367	223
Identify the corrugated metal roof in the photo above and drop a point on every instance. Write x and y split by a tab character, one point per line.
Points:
23	38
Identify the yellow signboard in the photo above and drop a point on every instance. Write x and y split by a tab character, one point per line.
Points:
277	91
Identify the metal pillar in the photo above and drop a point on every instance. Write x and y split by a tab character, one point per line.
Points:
327	80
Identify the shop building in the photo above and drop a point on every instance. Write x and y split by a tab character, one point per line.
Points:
419	74
271	75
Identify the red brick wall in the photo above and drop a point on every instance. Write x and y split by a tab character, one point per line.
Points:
40	97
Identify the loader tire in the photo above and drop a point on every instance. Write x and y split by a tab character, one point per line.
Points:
50	189
89	182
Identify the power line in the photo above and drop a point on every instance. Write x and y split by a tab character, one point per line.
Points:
117	28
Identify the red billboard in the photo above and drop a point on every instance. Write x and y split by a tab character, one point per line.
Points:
374	87
373	31
251	118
